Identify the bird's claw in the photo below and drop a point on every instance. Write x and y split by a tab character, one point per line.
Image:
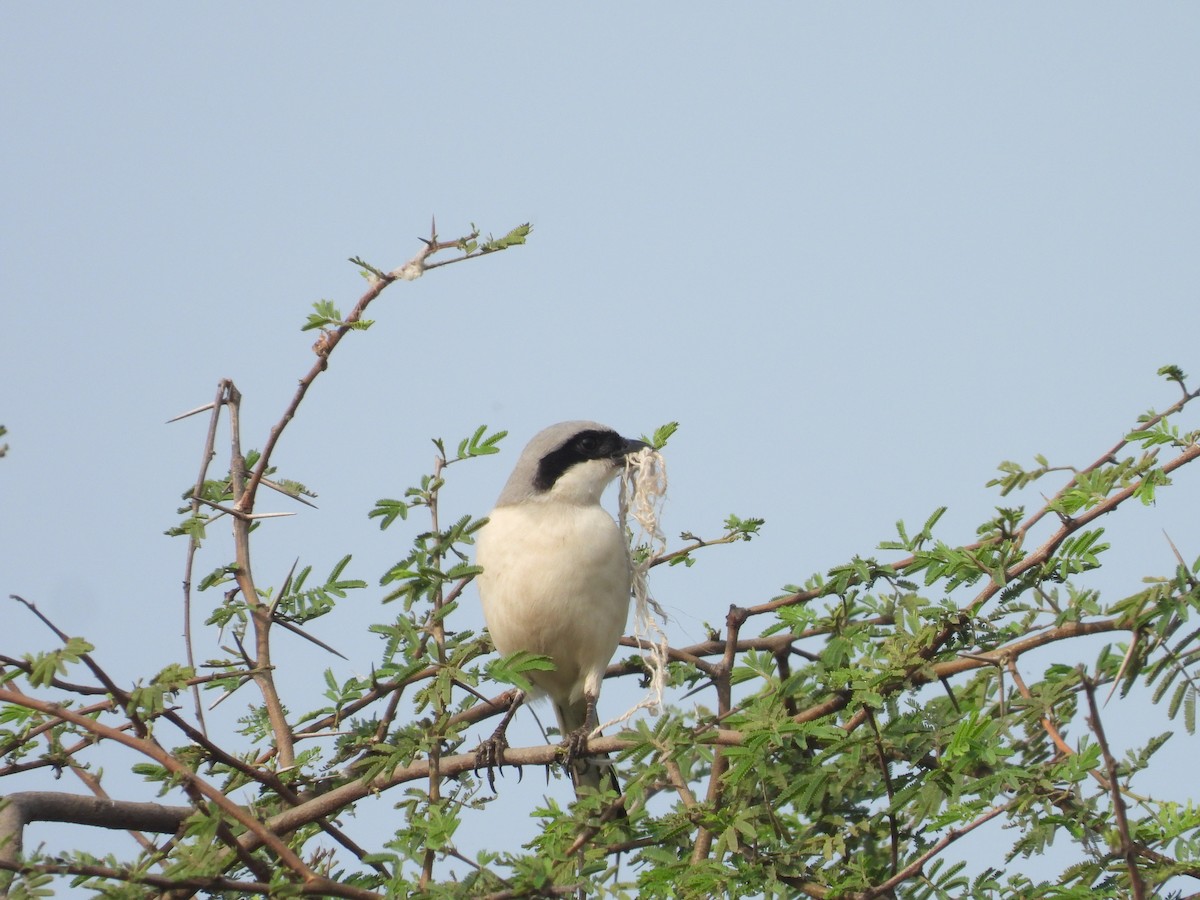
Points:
489	755
575	744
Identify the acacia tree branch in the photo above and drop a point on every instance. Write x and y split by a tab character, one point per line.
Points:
118	694
437	631
260	613
1106	506
183	772
1128	848
322	887
1073	524
438	767
724	685
1120	445
697	544
1048	548
917	864
449	766
210	453
19	809
93	784
245	485
1066	750
947	668
45	726
678	781
329	340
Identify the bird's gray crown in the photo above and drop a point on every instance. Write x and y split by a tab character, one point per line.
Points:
554	450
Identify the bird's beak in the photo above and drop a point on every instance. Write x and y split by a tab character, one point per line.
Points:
633	446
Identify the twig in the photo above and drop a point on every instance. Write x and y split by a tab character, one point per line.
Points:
1128	849
260	615
438	633
118	694
724	685
330	339
319	887
210	452
885	770
1066	529
916	865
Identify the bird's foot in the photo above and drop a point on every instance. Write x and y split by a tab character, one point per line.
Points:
489	755
575	744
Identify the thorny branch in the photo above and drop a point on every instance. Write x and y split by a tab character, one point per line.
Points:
1128	848
724	687
244	485
213	795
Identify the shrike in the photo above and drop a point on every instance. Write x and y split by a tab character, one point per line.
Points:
556	572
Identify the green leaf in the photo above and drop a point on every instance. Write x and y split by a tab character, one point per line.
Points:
744	529
661	435
480	443
366	269
1173	373
511	669
329	316
514	238
388	511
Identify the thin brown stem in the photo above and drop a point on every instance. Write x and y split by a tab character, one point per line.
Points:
438	633
319	887
916	865
210	452
724	685
1128	848
329	340
260	614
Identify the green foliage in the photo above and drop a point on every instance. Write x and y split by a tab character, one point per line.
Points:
470	245
480	443
366	270
736	529
743	529
388	511
511	669
299	604
327	315
214	495
514	238
45	667
662	434
1016	478
1175	374
148	701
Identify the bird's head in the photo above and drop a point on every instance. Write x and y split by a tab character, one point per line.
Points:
572	462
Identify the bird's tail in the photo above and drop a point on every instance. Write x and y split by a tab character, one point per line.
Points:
591	771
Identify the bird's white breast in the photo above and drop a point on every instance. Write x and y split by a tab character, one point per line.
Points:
556	581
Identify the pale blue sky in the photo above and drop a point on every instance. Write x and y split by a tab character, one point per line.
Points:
862	254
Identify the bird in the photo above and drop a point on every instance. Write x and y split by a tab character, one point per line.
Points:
556	577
